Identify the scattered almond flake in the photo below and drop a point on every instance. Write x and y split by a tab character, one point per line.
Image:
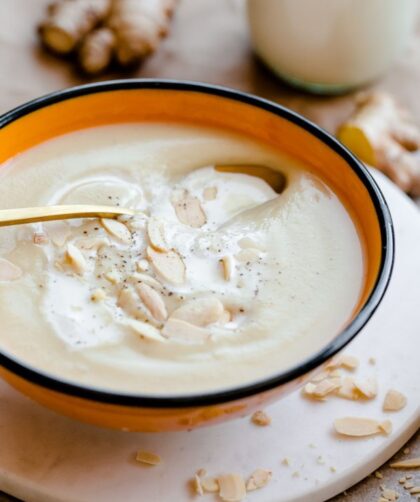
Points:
231	487
75	259
326	387
260	418
155	232
394	401
98	295
320	460
201	472
386	426
296	474
368	388
58	232
335	373
410	463
117	229
286	461
415	490
138	277
390	495
40	238
320	376
197	485
408	485
146	457
113	277
227	267
358	426
145	330
333	469
210	485
153	301
210	193
142	265
182	331
92	243
248	255
402	480
343	361
9	271
247	242
188	209
409	476
348	389
258	479
169	265
379	475
406	451
201	311
129	301
372	361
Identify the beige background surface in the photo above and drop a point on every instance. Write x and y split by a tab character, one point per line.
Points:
208	42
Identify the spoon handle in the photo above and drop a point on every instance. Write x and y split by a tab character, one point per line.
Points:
47	213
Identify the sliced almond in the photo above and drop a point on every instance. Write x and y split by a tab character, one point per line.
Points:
410	463
390	495
415	490
145	330
348	390
260	418
226	317
357	426
117	229
75	259
146	457
40	238
386	426
258	479
138	277
188	209
320	376
247	242
343	361
92	243
197	485
113	277
58	232
227	267
9	271
210	193
129	301
326	387
182	331
368	388
231	487
249	255
155	232
153	301
169	265
142	265
201	312
98	295
394	401
210	485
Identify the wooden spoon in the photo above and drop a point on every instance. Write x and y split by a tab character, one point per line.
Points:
8	217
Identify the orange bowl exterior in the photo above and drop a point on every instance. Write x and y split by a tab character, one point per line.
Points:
140	101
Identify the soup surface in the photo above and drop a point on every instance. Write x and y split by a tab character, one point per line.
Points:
216	281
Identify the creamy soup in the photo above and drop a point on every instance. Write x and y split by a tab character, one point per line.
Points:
216	281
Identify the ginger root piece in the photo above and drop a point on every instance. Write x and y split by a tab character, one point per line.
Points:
69	21
383	135
96	51
138	26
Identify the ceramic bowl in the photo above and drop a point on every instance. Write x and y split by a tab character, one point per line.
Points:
170	101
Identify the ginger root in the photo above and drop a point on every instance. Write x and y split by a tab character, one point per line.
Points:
99	31
383	135
69	21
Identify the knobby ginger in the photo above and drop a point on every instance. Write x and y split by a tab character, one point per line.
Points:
383	135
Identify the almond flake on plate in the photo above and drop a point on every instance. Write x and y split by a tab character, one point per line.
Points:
325	387
9	271
117	229
210	485
410	463
348	389
155	232
358	426
390	495
147	457
169	265
75	259
197	485
368	388
182	331
153	301
188	209
231	487
258	479
260	418
415	490
343	361
394	401
201	311
386	426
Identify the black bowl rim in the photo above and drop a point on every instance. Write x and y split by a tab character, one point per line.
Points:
97	394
